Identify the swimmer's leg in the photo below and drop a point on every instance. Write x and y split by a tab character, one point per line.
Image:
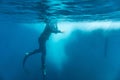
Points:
27	55
43	60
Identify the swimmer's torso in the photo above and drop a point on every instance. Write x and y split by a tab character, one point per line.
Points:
45	35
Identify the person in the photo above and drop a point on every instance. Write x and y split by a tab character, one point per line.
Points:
49	29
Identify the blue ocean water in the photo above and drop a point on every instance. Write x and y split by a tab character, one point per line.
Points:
89	48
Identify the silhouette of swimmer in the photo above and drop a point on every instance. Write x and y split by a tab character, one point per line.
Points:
50	28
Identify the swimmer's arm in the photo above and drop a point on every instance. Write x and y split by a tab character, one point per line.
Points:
55	30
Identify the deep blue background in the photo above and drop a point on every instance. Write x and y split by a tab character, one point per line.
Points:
84	49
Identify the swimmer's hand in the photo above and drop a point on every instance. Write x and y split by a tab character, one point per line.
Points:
58	31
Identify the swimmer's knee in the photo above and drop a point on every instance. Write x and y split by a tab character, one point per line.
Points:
26	54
